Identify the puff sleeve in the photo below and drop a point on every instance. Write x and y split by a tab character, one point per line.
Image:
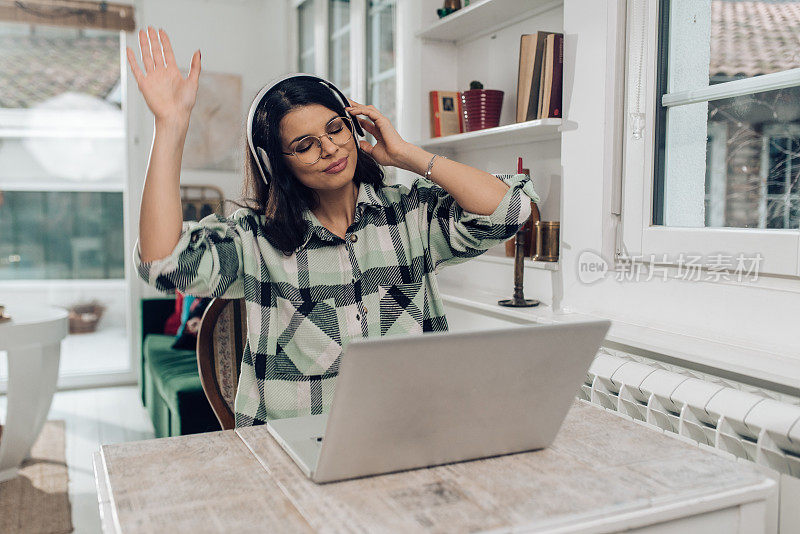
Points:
454	235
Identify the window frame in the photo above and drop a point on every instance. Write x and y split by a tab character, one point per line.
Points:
639	238
359	67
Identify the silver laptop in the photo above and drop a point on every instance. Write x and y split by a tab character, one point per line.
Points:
405	402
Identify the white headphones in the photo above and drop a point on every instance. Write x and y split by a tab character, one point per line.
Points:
258	152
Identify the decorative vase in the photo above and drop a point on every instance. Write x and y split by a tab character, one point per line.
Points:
481	108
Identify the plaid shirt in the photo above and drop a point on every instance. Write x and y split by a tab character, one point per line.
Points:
303	309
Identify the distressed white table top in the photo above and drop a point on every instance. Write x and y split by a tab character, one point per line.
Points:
600	465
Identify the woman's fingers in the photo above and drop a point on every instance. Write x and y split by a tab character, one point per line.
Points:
169	55
144	50
155	48
194	68
367	125
137	73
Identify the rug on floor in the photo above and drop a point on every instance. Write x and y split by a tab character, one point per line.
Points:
37	500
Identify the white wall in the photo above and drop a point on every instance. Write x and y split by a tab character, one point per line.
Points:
245	37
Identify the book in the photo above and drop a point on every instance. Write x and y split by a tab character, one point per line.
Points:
536	77
547	77
554	110
446	113
527	55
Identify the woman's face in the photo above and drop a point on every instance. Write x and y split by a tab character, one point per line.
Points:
311	119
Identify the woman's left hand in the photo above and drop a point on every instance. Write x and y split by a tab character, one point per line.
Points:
389	148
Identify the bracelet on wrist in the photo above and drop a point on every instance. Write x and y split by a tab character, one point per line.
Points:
430	166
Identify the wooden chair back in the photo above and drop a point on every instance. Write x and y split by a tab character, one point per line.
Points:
220	346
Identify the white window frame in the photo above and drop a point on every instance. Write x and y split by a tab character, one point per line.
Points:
639	239
358	56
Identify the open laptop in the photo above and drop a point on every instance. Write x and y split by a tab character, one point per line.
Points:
405	402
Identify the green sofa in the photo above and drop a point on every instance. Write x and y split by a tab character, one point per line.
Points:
170	385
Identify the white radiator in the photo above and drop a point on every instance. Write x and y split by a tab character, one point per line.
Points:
729	418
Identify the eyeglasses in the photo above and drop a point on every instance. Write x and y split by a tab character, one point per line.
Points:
309	149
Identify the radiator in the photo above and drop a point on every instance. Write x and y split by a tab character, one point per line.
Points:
733	419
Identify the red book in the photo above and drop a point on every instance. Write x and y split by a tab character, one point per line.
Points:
558	75
446	113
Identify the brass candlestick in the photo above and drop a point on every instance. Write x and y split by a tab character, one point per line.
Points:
519	300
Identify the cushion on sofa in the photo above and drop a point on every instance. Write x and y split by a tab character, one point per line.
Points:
176	378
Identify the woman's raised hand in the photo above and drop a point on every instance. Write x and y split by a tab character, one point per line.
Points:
168	94
390	148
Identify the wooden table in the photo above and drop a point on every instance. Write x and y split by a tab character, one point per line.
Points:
32	341
604	473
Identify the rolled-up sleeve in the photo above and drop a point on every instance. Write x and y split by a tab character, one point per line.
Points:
455	235
207	261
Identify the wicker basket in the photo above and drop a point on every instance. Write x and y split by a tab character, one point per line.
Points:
83	318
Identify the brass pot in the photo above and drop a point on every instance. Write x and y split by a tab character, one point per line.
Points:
547	240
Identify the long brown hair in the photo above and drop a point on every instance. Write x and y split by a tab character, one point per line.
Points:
283	201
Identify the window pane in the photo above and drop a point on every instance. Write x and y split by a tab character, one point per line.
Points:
60	108
339	48
381	79
63	148
754	158
749	38
305	17
380	36
381	57
731	162
47	235
713	41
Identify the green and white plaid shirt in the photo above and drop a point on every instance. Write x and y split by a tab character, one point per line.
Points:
303	309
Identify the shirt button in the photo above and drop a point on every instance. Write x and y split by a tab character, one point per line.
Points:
358	317
353	281
353	238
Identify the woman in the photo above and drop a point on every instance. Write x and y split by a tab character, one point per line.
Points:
324	251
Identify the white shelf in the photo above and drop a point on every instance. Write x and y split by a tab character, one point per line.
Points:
510	134
529	263
482	17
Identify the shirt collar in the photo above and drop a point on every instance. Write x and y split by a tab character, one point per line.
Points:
367	196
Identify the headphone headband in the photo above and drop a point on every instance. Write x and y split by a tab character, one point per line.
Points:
259	153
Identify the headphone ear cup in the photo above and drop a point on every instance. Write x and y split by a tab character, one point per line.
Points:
262	154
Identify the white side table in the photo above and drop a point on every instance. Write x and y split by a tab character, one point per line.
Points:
32	339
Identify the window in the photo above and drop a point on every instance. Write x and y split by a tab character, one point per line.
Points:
339	44
718	86
50	235
381	77
381	74
744	40
375	57
305	36
62	154
63	157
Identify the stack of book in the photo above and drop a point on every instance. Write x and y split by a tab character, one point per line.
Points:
541	61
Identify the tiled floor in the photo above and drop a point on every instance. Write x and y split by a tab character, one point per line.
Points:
94	417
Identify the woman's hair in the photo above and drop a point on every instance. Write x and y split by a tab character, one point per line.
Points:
283	201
